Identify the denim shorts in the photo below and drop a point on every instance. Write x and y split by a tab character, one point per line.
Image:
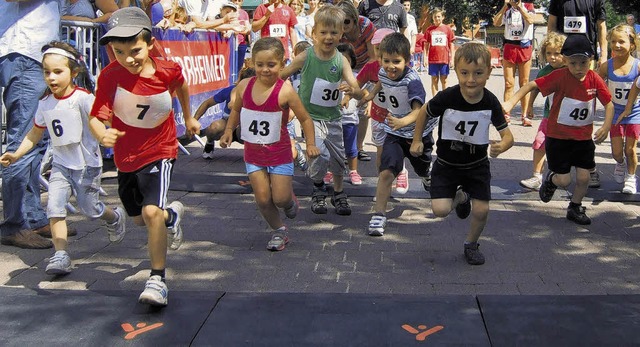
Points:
86	185
284	169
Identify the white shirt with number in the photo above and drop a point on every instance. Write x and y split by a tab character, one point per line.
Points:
67	121
515	27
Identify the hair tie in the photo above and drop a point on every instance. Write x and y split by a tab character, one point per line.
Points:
60	51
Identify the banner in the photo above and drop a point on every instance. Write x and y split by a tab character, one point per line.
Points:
208	62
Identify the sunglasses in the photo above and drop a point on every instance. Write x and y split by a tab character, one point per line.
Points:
347	21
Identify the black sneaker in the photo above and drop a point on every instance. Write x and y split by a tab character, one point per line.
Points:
462	203
577	215
318	205
339	201
472	254
547	188
594	179
426	183
363	156
207	153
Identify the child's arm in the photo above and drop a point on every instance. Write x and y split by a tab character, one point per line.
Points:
602	133
351	88
106	137
417	147
295	104
372	94
191	124
633	95
603	71
295	66
204	106
33	137
234	116
506	141
412	117
509	104
532	98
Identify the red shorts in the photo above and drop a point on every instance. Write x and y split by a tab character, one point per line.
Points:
626	130
541	135
516	54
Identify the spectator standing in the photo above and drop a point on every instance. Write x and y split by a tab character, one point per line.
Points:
303	28
631	20
25	28
385	14
202	14
438	50
276	19
412	26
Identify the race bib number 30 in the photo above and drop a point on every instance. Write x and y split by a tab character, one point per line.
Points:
64	127
325	93
142	111
470	127
258	127
575	25
576	113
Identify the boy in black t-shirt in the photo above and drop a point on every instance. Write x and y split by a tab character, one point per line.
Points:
461	176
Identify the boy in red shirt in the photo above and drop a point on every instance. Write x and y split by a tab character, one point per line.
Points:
569	130
439	50
134	98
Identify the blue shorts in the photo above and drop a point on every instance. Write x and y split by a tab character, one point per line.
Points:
438	69
284	169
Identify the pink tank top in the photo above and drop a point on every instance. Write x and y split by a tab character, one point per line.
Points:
276	153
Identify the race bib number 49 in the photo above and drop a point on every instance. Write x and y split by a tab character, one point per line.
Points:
576	113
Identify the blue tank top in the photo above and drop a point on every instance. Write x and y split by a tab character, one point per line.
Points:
619	86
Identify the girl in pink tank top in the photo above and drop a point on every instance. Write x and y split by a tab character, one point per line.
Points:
262	109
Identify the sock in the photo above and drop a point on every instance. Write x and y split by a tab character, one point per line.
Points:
282	229
158	273
470	244
172	217
537	174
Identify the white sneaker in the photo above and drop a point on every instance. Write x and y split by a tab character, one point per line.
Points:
117	229
174	233
619	172
155	292
377	224
629	184
59	264
207	152
533	183
402	182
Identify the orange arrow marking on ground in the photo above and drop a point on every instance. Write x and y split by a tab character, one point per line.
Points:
422	332
141	328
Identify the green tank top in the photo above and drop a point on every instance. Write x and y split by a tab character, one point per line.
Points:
319	83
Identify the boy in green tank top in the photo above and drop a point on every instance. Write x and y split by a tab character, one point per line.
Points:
324	72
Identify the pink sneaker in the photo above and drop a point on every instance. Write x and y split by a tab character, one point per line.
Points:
328	178
402	182
355	178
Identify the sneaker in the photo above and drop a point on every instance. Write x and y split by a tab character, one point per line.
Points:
355	178
59	264
594	179
292	211
279	240
532	183
155	292
426	183
629	184
577	215
547	188
207	152
301	159
318	205
174	233
619	172
117	229
472	254
339	201
526	122
462	203
328	178
402	182
377	224
363	156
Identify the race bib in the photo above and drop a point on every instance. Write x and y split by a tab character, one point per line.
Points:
259	127
470	127
277	30
438	38
397	101
325	93
64	127
142	111
381	99
575	25
620	92
576	113
514	28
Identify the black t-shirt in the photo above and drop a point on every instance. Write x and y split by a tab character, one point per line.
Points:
593	10
468	123
393	16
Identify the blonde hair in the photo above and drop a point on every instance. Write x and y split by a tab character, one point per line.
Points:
472	52
330	16
437	10
553	39
625	29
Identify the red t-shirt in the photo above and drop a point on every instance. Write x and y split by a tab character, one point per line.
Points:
243	17
573	102
280	24
439	40
369	73
142	108
420	40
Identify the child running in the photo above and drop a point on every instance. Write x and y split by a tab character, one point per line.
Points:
262	110
134	97
77	163
300	159
322	70
404	96
620	72
569	140
550	51
350	120
461	178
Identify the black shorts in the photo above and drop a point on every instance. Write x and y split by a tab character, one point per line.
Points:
563	154
476	181
396	148
147	186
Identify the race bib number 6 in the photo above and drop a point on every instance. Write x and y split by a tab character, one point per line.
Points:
258	127
64	127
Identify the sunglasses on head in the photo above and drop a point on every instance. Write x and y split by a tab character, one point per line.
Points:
347	21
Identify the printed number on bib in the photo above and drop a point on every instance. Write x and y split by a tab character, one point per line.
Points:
258	127
325	93
620	91
576	113
438	39
470	127
64	127
398	101
277	30
142	111
380	100
575	25
514	28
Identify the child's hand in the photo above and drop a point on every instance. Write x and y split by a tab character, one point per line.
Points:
495	148
416	149
365	99
8	159
396	123
164	24
622	115
507	106
312	151
600	135
226	138
345	101
110	137
346	88
192	127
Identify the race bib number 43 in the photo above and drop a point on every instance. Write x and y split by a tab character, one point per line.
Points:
258	127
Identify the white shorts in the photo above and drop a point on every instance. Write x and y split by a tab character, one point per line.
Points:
86	185
377	133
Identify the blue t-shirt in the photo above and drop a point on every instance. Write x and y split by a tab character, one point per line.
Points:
224	95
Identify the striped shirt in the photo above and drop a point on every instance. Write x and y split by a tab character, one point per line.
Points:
360	45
